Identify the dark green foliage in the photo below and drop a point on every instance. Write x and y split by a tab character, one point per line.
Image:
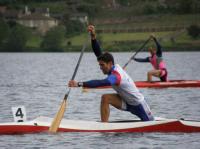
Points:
149	8
11	23
182	6
185	6
6	2
53	40
74	28
17	39
11	2
91	9
4	33
123	2
194	31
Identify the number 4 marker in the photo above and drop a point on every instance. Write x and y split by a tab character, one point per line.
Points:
19	113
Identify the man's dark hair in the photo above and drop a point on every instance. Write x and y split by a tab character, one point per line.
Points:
106	57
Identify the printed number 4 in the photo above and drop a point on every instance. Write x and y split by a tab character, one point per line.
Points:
19	113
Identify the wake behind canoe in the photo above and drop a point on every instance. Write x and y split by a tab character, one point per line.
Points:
41	125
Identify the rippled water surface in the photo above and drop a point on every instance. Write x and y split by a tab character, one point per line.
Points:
38	81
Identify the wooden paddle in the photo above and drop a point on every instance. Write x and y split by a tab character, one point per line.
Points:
57	119
132	57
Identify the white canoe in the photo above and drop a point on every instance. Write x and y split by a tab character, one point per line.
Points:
41	125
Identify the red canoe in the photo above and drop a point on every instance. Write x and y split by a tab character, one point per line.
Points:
158	84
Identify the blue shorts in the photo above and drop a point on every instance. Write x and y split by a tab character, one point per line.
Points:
142	111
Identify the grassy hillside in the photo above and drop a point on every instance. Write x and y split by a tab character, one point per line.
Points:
150	21
152	16
131	41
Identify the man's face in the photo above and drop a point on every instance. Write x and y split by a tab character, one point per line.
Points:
105	67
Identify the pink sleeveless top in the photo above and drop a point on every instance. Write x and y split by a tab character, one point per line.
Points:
157	62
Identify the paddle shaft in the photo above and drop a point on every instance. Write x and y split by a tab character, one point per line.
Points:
76	69
57	120
132	57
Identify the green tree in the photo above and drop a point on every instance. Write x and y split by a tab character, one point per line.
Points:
89	8
149	8
17	39
4	33
6	2
53	39
124	2
193	31
74	27
185	6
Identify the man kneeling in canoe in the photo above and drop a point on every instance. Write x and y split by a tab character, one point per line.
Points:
157	62
127	98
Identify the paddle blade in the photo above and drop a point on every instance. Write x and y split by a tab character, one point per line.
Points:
57	119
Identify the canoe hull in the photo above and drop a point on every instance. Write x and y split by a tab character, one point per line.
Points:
41	125
158	84
171	83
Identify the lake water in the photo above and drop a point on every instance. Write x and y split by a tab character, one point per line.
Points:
38	81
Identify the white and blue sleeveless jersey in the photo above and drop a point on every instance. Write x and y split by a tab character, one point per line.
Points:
122	83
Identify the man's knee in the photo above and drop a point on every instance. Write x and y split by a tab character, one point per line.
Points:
105	98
